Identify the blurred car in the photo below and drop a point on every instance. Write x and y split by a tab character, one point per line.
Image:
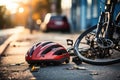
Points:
47	52
55	22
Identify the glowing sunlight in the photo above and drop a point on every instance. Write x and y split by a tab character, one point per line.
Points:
13	5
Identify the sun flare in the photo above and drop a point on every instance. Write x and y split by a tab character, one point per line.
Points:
13	5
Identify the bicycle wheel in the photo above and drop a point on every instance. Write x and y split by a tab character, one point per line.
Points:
87	49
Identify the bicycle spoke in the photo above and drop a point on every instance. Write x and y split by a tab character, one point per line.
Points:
90	52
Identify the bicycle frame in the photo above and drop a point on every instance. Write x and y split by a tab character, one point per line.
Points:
100	45
107	16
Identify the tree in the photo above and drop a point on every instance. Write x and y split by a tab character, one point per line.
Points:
2	13
5	19
40	8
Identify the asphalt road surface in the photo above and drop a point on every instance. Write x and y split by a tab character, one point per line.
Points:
14	67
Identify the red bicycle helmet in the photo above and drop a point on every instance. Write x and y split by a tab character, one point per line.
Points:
47	52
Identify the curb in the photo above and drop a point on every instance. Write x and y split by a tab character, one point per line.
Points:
5	45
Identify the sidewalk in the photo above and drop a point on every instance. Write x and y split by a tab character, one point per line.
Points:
14	32
38	36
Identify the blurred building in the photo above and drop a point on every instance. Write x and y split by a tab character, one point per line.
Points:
81	13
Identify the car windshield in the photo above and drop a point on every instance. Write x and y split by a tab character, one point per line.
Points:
59	18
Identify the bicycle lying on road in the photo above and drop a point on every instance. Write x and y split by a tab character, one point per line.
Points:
100	44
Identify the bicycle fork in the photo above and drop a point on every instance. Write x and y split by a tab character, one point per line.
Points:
103	31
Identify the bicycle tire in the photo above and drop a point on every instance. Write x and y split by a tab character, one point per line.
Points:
87	60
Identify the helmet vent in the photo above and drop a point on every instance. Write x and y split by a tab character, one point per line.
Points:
50	48
46	43
60	52
31	51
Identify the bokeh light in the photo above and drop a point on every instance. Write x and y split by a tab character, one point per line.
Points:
13	5
21	10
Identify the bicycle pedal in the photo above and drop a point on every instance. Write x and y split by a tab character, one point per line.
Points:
69	42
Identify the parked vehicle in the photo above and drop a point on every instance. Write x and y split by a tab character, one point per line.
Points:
47	52
55	22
